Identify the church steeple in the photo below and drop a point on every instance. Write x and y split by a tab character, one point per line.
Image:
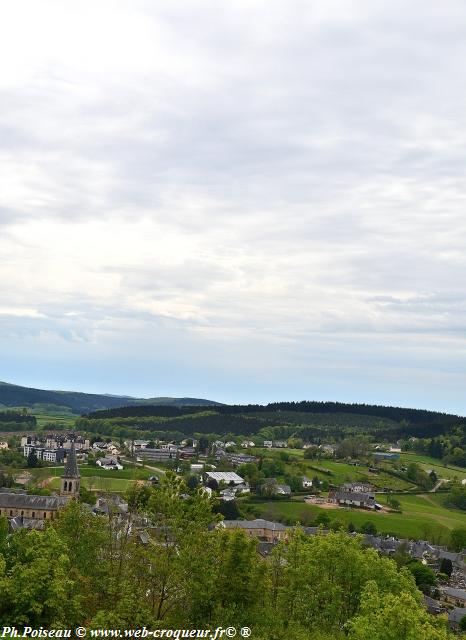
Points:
70	479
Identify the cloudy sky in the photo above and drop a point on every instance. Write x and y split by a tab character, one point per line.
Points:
245	200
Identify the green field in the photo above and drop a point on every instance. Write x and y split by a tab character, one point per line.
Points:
93	477
423	516
341	472
427	463
98	483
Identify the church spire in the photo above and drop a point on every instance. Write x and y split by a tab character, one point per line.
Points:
70	480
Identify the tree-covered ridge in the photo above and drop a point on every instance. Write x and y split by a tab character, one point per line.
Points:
97	572
307	420
17	396
17	417
397	414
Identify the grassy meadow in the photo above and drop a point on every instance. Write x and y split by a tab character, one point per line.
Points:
423	516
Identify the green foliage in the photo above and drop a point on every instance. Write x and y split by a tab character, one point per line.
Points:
32	460
458	539
425	577
394	616
369	528
446	567
97	572
457	498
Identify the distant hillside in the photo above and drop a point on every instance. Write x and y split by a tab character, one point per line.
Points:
15	396
309	420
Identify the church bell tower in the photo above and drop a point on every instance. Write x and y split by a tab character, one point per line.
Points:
70	479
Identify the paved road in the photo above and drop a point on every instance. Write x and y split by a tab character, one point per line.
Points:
438	484
146	466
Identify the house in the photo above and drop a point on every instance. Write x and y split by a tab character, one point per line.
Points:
111	504
240	458
385	455
109	464
3	445
327	448
455	616
456	597
99	446
227	477
140	444
227	495
265	530
307	482
157	455
353	499
280	444
196	468
187	452
247	443
169	446
433	606
268	444
283	490
357	487
47	455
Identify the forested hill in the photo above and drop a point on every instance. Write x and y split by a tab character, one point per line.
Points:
397	414
16	396
309	420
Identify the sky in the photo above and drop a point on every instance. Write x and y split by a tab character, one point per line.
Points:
245	200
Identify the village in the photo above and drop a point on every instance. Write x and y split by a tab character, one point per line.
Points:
217	472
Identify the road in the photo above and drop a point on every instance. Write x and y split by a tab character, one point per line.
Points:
146	466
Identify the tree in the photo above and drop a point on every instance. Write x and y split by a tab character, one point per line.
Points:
393	503
458	539
369	528
203	444
394	616
402	556
424	576
322	519
462	624
227	508
446	566
36	586
212	484
267	488
192	482
32	460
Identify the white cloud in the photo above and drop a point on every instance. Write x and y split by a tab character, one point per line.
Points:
242	176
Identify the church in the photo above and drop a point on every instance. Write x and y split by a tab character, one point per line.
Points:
27	510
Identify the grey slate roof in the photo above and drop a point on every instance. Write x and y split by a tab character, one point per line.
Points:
254	524
433	606
71	465
455	593
24	501
354	496
26	523
456	615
